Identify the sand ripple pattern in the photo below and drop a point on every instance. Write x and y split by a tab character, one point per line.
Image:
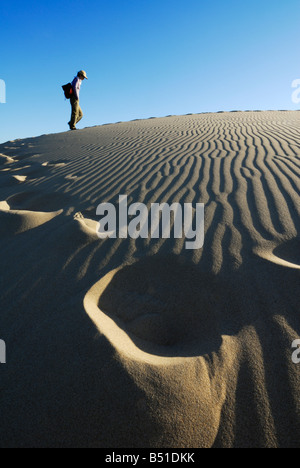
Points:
182	348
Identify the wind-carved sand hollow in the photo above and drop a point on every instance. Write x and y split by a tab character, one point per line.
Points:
27	210
289	252
162	306
286	254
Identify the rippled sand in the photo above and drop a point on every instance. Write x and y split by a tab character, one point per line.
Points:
142	343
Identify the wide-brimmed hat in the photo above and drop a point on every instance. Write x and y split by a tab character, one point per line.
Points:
82	73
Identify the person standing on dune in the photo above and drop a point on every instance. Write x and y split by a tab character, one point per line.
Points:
77	113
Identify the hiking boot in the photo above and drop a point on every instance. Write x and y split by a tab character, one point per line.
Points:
71	128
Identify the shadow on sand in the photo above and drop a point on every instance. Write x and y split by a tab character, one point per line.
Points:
168	307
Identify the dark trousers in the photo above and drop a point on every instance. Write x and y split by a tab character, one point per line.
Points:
77	113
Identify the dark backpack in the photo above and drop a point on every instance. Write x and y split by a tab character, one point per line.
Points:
68	91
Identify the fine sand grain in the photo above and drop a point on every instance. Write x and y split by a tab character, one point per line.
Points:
139	342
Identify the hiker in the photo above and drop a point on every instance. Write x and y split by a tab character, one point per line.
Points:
76	109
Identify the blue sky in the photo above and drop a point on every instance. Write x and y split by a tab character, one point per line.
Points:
144	59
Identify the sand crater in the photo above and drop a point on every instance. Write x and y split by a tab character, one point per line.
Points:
289	251
36	201
285	254
164	305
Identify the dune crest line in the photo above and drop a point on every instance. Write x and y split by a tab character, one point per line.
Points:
136	338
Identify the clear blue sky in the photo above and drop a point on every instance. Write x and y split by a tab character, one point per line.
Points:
144	58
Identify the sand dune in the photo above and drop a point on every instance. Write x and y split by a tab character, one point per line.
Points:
140	342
